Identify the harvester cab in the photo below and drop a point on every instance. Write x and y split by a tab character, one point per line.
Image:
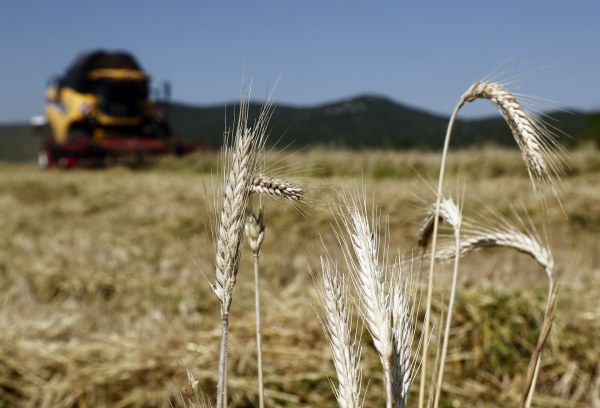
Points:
100	110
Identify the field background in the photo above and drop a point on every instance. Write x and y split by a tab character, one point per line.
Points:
101	305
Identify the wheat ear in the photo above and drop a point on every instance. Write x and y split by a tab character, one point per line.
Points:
338	331
510	239
536	144
448	211
390	313
255	231
535	140
241	163
404	314
277	188
370	280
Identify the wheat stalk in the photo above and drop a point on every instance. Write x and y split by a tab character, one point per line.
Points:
255	231
537	144
241	163
277	188
337	329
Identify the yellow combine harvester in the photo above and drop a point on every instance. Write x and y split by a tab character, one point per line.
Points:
100	110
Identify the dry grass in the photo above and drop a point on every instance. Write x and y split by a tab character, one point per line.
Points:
100	302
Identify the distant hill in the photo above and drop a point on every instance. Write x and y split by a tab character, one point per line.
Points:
364	121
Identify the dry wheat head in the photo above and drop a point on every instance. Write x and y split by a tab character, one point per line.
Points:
277	188
509	238
368	275
404	317
448	211
343	345
255	230
536	141
241	164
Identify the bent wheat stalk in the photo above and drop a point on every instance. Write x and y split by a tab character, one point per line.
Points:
510	237
537	144
241	162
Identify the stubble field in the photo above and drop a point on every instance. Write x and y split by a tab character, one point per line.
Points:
101	303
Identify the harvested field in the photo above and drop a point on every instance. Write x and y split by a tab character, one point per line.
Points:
101	305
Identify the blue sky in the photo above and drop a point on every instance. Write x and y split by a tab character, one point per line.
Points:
423	54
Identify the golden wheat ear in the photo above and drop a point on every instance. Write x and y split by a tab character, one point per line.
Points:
499	232
337	326
448	212
241	160
277	188
405	363
386	290
543	156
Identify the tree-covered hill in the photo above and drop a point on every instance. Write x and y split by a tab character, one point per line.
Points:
364	121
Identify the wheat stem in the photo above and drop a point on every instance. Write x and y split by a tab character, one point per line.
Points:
537	354
369	278
448	320
222	361
433	248
261	392
550	305
387	381
255	231
533	140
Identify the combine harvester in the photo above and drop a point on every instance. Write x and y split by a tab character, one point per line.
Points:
100	112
